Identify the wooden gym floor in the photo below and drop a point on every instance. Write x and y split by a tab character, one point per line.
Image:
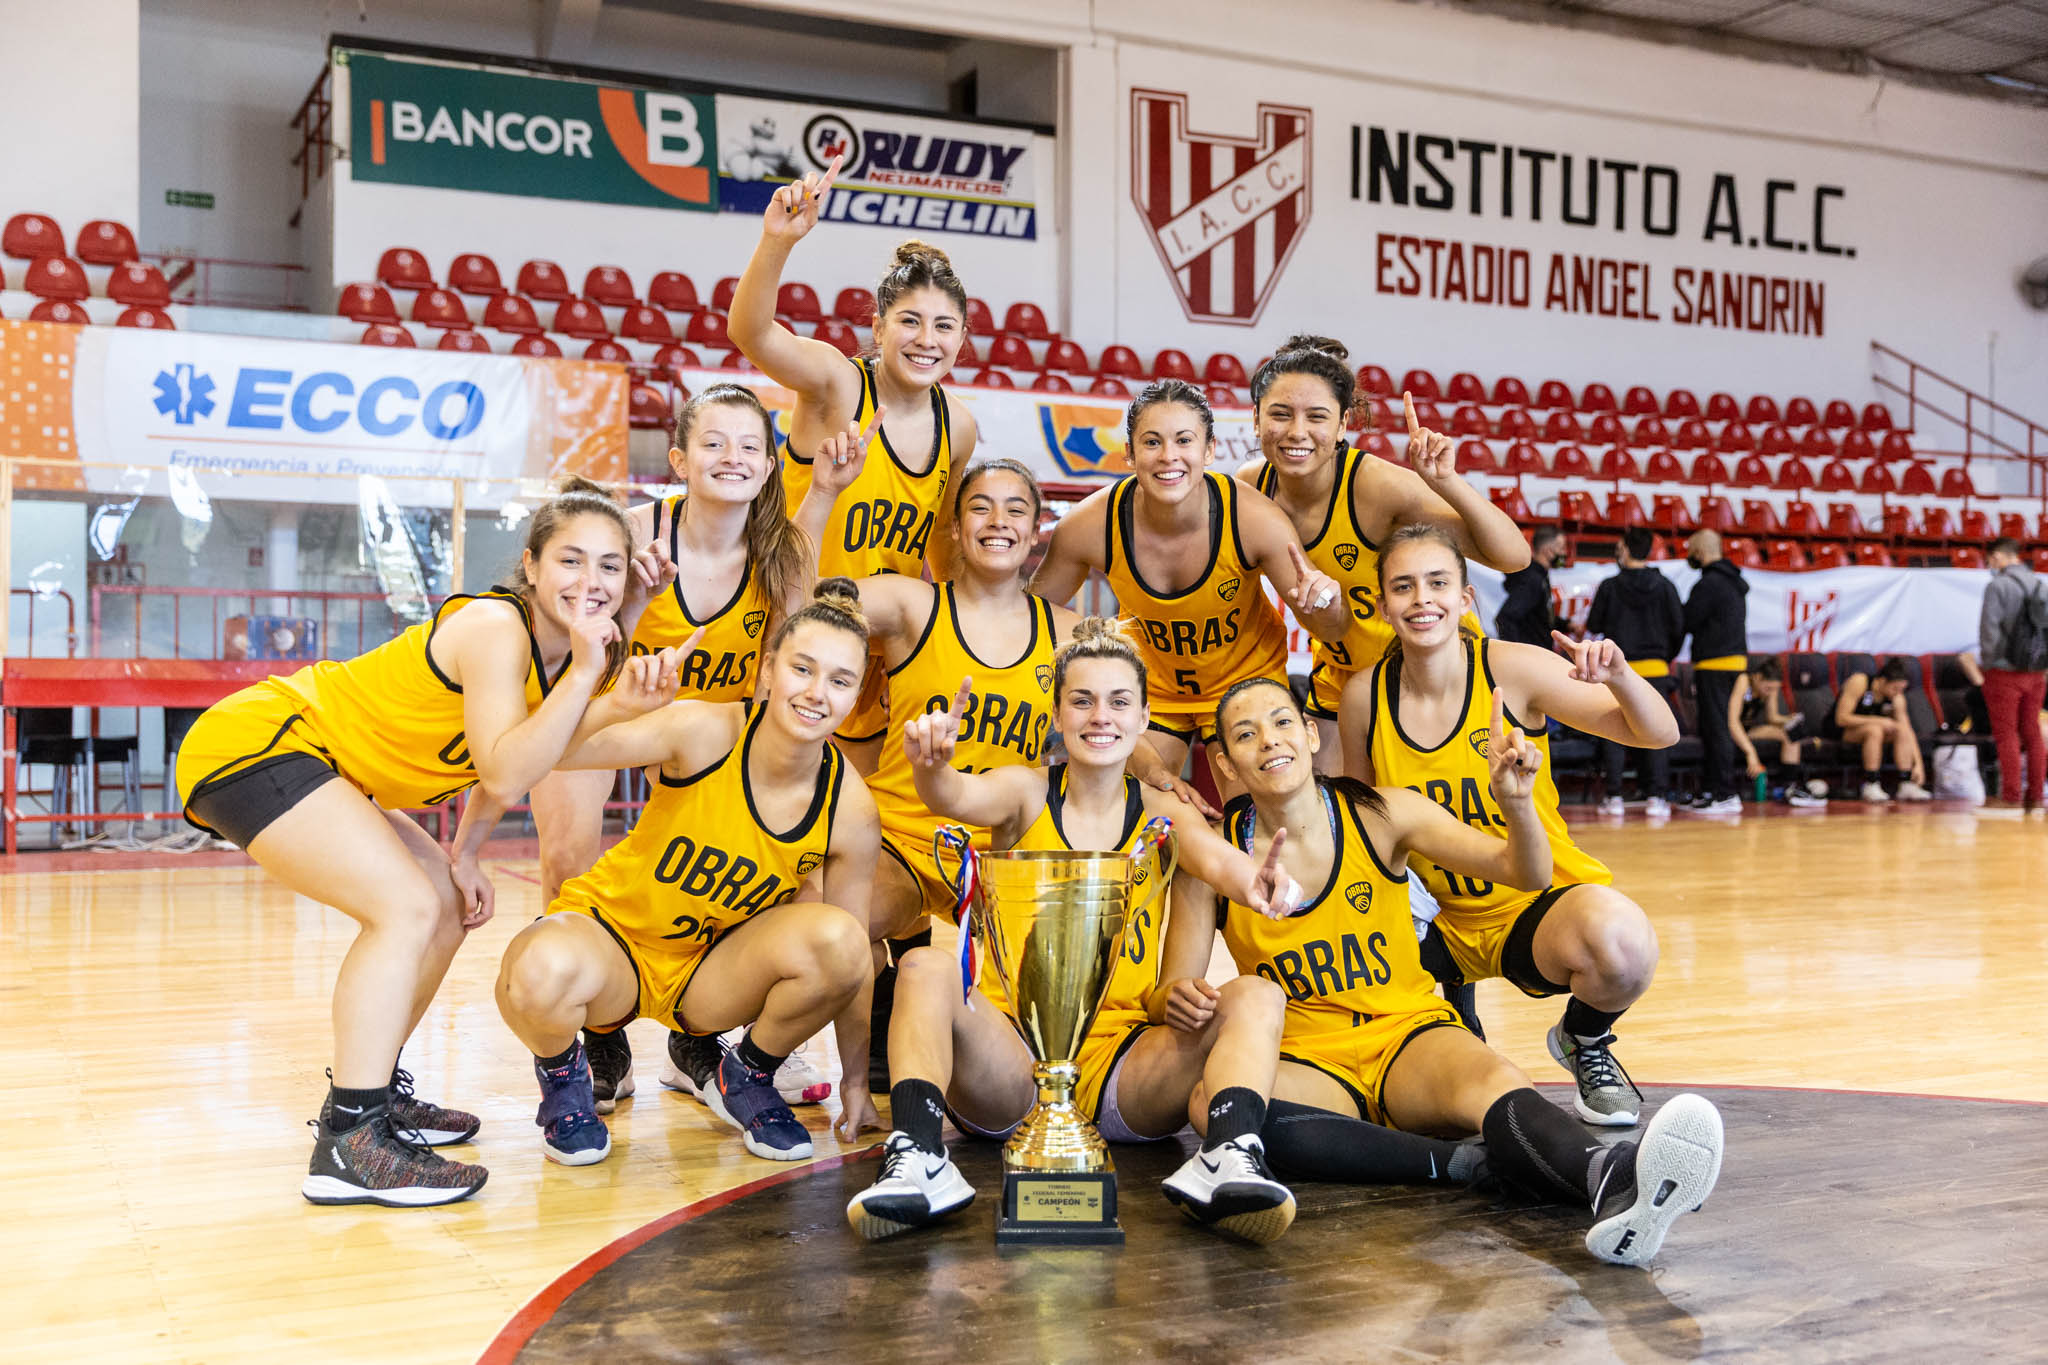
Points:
167	1028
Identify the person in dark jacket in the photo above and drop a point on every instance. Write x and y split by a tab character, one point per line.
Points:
1717	619
1639	610
1526	615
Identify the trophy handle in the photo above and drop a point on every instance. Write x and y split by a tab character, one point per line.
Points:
1157	834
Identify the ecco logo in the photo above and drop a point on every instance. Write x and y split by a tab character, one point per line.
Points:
266	400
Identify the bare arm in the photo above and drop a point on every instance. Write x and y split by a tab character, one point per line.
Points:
1438	495
1852	692
856	842
488	652
1354	719
1312	595
1004	801
817	373
1184	999
1593	690
941	551
1209	857
1076	547
1735	726
1524	858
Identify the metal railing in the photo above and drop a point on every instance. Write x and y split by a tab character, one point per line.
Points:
221	282
35	595
1936	394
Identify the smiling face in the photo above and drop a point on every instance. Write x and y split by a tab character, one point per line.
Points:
1424	592
1101	712
580	572
730	454
1170	447
920	337
1267	746
1300	423
998	524
814	679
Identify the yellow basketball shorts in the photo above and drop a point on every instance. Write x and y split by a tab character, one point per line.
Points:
1500	943
663	973
1359	1057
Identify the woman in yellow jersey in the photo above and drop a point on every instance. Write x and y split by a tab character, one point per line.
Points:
694	919
490	693
1185	551
967	1055
891	519
1344	503
1366	1041
1413	721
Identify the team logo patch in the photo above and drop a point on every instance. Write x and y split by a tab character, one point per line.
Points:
808	864
1359	896
752	623
1083	439
1044	674
1479	739
1227	589
1224	213
1347	556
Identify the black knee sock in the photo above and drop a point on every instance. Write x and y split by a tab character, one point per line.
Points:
561	1058
1234	1113
1533	1144
1581	1020
918	1109
1871	775
1315	1144
346	1108
753	1058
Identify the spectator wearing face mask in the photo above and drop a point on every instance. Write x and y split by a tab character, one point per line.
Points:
1526	615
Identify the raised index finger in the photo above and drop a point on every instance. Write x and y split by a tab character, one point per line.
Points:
962	697
866	434
1408	402
1497	736
831	171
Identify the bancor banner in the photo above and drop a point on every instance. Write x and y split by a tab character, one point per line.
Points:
416	121
264	413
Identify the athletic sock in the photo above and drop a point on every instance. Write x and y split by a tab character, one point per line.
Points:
346	1108
1315	1144
1871	775
1584	1022
1535	1145
562	1058
1234	1113
918	1109
754	1059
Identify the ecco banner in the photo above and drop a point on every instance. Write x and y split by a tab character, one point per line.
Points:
904	173
420	122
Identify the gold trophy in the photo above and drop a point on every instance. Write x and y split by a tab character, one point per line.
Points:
1052	925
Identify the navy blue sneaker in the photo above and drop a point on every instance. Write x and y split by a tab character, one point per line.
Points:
571	1132
747	1100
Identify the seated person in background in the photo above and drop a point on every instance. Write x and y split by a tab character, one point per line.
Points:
1760	712
1639	610
1871	713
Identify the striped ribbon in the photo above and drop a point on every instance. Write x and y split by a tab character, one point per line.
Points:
964	884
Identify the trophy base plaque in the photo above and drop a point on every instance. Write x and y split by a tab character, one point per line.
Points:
1058	1208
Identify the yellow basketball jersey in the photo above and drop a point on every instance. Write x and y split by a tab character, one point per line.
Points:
700	861
1454	775
1341	550
1006	722
883	523
1347	956
726	663
1221	628
1137	969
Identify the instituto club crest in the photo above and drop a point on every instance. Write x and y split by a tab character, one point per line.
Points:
1225	213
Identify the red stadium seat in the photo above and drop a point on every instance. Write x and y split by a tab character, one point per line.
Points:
105	242
2013	524
1937	524
1759	518
1897	523
722	292
138	286
534	344
673	292
1470	421
1109	386
643	322
993	379
1816	444
968	354
1838	415
1640	401
835	333
1751	472
1606	430
544	282
388	334
1465	388
1896	445
980	322
1965	557
1873	556
1651	431
1668	512
1828	555
1028	320
1220	368
475	274
609	351
510	313
799	301
1844	523
1376	382
1122	360
1517	425
1800	412
439	308
1918	480
1955	482
1877	478
1680	404
1508	498
1787	555
1011	352
1523	458
1857	445
707	329
1734	439
673	357
735	360
1835	477
1722	407
1509	391
607	286
144	316
1427	415
1223	396
1775	441
1876	417
1422	384
2040	560
463	340
1562	426
1975	525
1664	467
1376	444
1801	519
31	236
1172	364
1691	435
854	306
1068	357
1761	411
1625	509
649	409
1618	464
1793	475
580	319
1707	469
1742	551
1717	514
367	303
1597	398
1553	394
56	277
1570	462
401	267
1051	383
1477	457
1577	505
60	310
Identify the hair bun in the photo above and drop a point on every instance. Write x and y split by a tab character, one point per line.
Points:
1304	341
913	251
1090	629
576	483
838	592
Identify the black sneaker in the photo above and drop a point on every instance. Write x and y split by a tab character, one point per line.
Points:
375	1163
436	1126
611	1066
692	1061
1646	1186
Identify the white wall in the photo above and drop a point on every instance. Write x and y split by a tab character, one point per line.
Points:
68	110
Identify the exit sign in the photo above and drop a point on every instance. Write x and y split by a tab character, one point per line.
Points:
188	199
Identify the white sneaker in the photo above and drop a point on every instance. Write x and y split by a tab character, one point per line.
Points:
1657	808
1913	791
1613	806
1670	1173
1727	805
1874	794
914	1190
1231	1189
798	1082
1804	799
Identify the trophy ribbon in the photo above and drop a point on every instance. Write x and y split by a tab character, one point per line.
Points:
964	883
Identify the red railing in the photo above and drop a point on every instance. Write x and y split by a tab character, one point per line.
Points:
35	595
1977	423
314	124
219	282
